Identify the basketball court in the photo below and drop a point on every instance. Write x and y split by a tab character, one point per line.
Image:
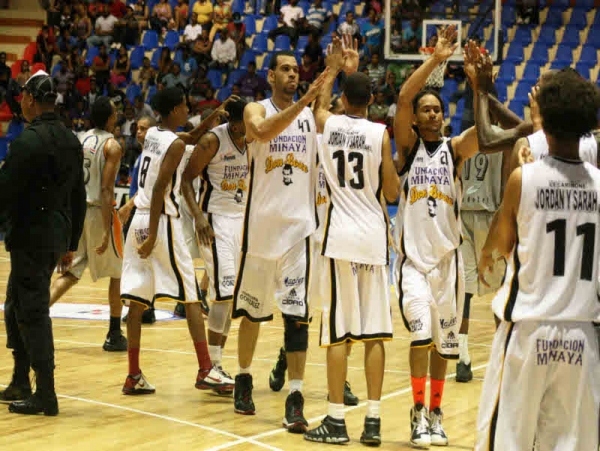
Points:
94	415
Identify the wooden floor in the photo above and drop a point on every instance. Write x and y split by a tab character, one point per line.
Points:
94	415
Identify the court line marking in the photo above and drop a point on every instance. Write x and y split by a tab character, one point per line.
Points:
320	417
169	418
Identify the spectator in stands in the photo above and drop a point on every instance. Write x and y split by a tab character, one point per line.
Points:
350	26
105	26
372	5
162	17
389	120
220	19
147	74
389	88
260	95
84	81
117	9
121	68
95	9
251	82
116	96
45	46
396	40
189	68
13	95
192	30
66	19
66	43
528	12
378	111
204	11
314	49
202	48
78	115
63	76
165	61
200	85
411	36
209	101
237	32
127	30
375	70
181	14
223	52
306	74
318	17
372	32
101	67
141	109
94	93
82	28
25	69
74	60
71	96
5	73
175	78
129	119
141	13
291	21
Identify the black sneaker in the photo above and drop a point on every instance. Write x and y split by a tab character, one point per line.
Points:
420	434
16	392
179	310
371	435
115	342
350	399
204	303
242	395
277	375
294	419
148	317
330	431
34	405
463	372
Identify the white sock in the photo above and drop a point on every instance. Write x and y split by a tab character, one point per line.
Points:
215	354
296	385
336	411
463	348
373	409
244	370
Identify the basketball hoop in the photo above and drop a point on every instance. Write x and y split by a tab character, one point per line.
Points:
436	79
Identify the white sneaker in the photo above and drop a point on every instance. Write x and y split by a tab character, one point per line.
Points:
438	435
420	434
226	375
215	379
138	385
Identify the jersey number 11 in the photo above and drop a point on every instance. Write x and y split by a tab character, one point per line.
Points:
588	230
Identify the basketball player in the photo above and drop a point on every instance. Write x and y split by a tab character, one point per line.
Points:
157	263
547	226
356	156
101	245
279	219
222	161
431	273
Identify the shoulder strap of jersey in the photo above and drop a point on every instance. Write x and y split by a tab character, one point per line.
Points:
411	156
596	135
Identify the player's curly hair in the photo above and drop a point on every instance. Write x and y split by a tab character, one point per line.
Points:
424	92
101	111
569	106
166	100
236	110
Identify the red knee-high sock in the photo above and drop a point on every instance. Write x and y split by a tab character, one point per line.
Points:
437	390
134	361
203	355
418	389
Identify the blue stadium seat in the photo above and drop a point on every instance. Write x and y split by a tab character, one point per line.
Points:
250	23
589	54
450	87
559	5
238	6
302	42
547	36
585	5
518	107
508	15
347	6
554	20
112	55
515	53
502	91
246	58
173	3
262	73
539	54
56	69
133	90
438	7
224	93
523	35
15	128
507	73
235	76
523	89
155	58
136	58
578	19
266	61
593	38
564	55
178	58
3	147
269	24
171	39
282	42
151	94
584	69
92	53
570	38
215	77
531	73
305	5
150	40
259	43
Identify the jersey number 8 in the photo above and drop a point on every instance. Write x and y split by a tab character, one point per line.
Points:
144	171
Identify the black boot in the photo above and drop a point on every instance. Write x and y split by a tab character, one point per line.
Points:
20	386
44	399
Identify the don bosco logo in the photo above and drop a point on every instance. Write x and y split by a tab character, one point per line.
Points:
288	164
433	194
321	200
233	185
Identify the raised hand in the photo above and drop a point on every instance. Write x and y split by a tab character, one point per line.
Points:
536	117
335	56
525	156
485	73
472	57
446	44
351	56
315	87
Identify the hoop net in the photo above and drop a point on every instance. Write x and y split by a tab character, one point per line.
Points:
436	79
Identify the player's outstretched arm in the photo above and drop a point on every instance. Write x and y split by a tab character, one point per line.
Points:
192	137
264	129
403	131
201	157
391	181
502	236
165	174
335	62
506	118
112	154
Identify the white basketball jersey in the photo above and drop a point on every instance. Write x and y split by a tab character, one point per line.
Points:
189	150
482	182
553	272
322	198
157	142
94	160
225	177
356	228
280	210
429	211
588	147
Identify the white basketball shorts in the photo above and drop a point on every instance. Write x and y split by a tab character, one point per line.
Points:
358	304
167	274
286	280
222	258
189	231
475	228
431	304
319	268
110	263
543	381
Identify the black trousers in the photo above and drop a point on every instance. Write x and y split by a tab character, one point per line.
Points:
27	311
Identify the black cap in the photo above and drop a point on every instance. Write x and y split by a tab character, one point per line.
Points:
41	86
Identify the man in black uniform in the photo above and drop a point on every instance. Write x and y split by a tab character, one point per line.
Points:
42	204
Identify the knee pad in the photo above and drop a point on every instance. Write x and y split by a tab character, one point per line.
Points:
217	316
295	337
467	307
227	326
